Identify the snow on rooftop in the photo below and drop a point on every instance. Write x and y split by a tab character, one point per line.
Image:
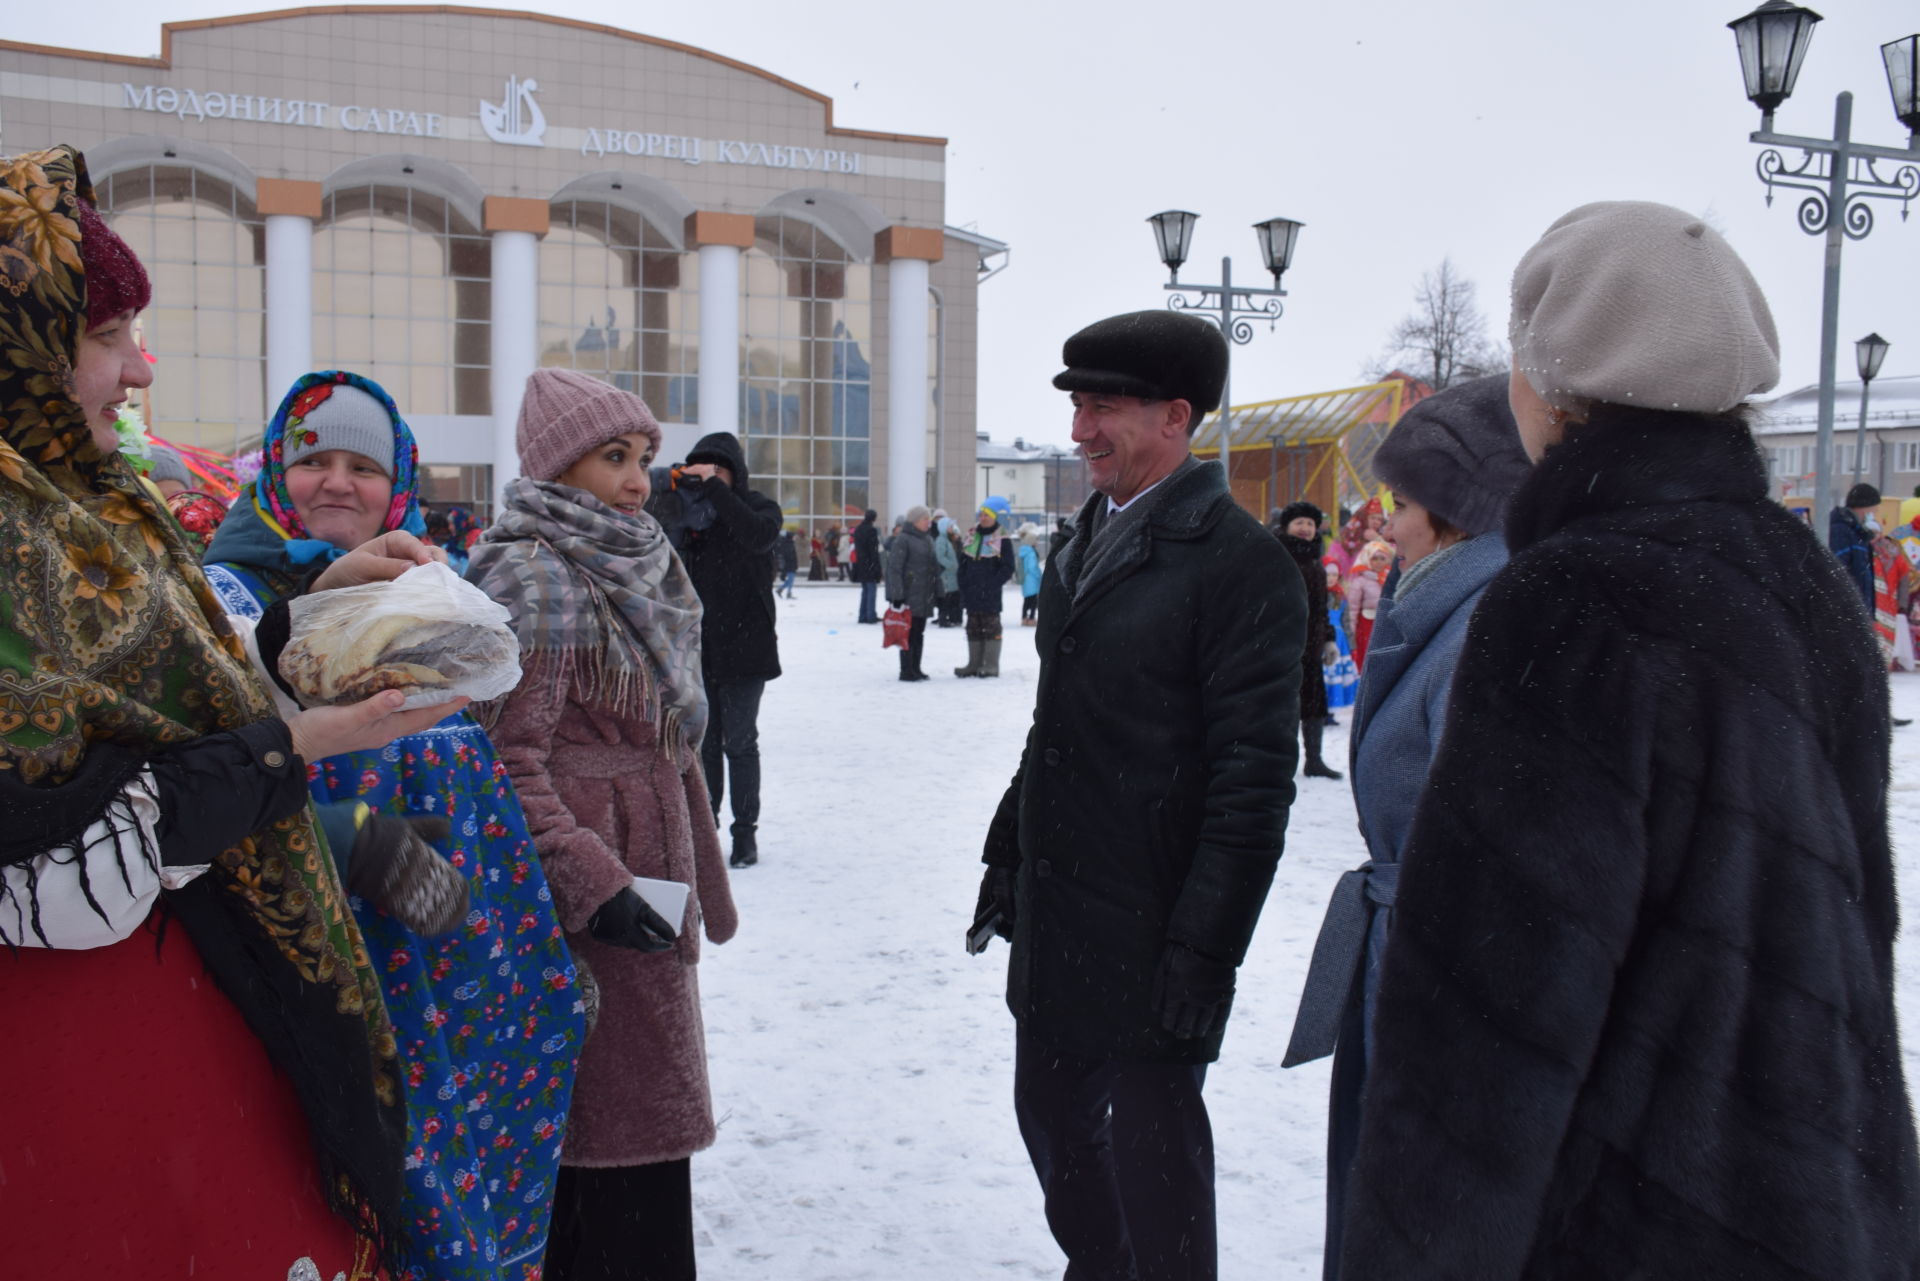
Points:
1893	402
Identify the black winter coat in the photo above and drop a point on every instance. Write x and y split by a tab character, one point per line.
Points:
913	575
786	555
1313	677
727	562
867	565
983	578
1636	1015
1151	801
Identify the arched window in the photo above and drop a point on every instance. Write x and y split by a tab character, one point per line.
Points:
401	294
613	304
204	247
806	384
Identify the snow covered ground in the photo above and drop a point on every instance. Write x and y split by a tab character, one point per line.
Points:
862	1062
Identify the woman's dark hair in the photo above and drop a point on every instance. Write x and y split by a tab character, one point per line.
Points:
1444	529
1601	415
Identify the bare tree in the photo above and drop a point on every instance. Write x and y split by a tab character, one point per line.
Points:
1444	339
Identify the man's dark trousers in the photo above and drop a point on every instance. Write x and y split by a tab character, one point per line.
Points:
868	591
1124	1152
733	731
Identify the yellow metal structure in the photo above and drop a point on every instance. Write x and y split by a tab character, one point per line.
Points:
1346	425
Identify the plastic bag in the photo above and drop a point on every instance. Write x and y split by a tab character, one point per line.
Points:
428	632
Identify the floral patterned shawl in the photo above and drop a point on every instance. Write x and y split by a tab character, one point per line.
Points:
110	639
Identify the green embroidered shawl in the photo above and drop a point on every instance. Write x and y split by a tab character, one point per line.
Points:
110	636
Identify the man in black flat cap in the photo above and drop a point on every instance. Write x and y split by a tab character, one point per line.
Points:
1130	857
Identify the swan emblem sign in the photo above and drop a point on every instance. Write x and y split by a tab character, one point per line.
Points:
517	121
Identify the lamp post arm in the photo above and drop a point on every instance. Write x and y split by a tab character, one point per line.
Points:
1828	147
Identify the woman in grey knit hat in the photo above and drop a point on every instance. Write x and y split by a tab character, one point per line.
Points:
1636	1015
1451	462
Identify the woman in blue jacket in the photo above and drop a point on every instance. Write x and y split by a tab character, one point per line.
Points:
1451	463
1030	572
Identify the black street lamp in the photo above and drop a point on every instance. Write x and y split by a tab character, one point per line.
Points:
1839	174
1230	306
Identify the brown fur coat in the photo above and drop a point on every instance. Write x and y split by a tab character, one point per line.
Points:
605	803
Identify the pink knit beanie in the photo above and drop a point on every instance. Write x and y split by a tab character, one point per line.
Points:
564	413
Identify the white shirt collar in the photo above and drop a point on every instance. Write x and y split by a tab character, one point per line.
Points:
1113	507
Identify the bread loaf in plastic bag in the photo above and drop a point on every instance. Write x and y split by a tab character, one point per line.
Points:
428	632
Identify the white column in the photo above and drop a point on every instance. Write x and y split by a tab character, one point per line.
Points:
906	385
289	303
515	343
720	338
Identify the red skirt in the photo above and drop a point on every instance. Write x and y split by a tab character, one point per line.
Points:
145	1131
1362	635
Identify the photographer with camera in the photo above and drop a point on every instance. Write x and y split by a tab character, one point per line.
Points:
724	531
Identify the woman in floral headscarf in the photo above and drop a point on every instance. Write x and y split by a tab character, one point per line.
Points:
171	1088
482	997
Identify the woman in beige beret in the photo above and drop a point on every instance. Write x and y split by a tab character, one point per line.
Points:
1636	1013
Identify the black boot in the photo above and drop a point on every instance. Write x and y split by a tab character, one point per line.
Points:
746	851
1310	733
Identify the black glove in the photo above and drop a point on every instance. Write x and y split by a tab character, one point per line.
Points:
996	892
1192	991
625	920
896	604
395	867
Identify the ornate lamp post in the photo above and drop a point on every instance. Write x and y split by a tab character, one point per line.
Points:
1869	351
1840	174
1230	306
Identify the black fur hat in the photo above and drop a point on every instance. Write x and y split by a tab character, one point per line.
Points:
1293	511
1156	355
1458	454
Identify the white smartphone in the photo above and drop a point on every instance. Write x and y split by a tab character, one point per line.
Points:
669	898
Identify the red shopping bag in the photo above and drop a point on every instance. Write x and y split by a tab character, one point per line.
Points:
894	625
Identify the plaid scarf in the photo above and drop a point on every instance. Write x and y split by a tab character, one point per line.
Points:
605	594
112	648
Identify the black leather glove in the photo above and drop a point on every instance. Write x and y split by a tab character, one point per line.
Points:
395	867
896	604
1192	992
625	920
997	891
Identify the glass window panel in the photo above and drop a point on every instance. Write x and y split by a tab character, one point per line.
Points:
762	452
215	331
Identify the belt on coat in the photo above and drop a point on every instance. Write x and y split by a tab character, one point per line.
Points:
1337	956
584	760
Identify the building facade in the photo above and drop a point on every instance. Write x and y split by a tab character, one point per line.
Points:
1043	484
445	199
1788	433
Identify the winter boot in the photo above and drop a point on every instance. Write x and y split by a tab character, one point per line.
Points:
746	851
1311	731
990	658
972	668
906	666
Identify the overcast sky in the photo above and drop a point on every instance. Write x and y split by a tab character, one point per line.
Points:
1399	131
